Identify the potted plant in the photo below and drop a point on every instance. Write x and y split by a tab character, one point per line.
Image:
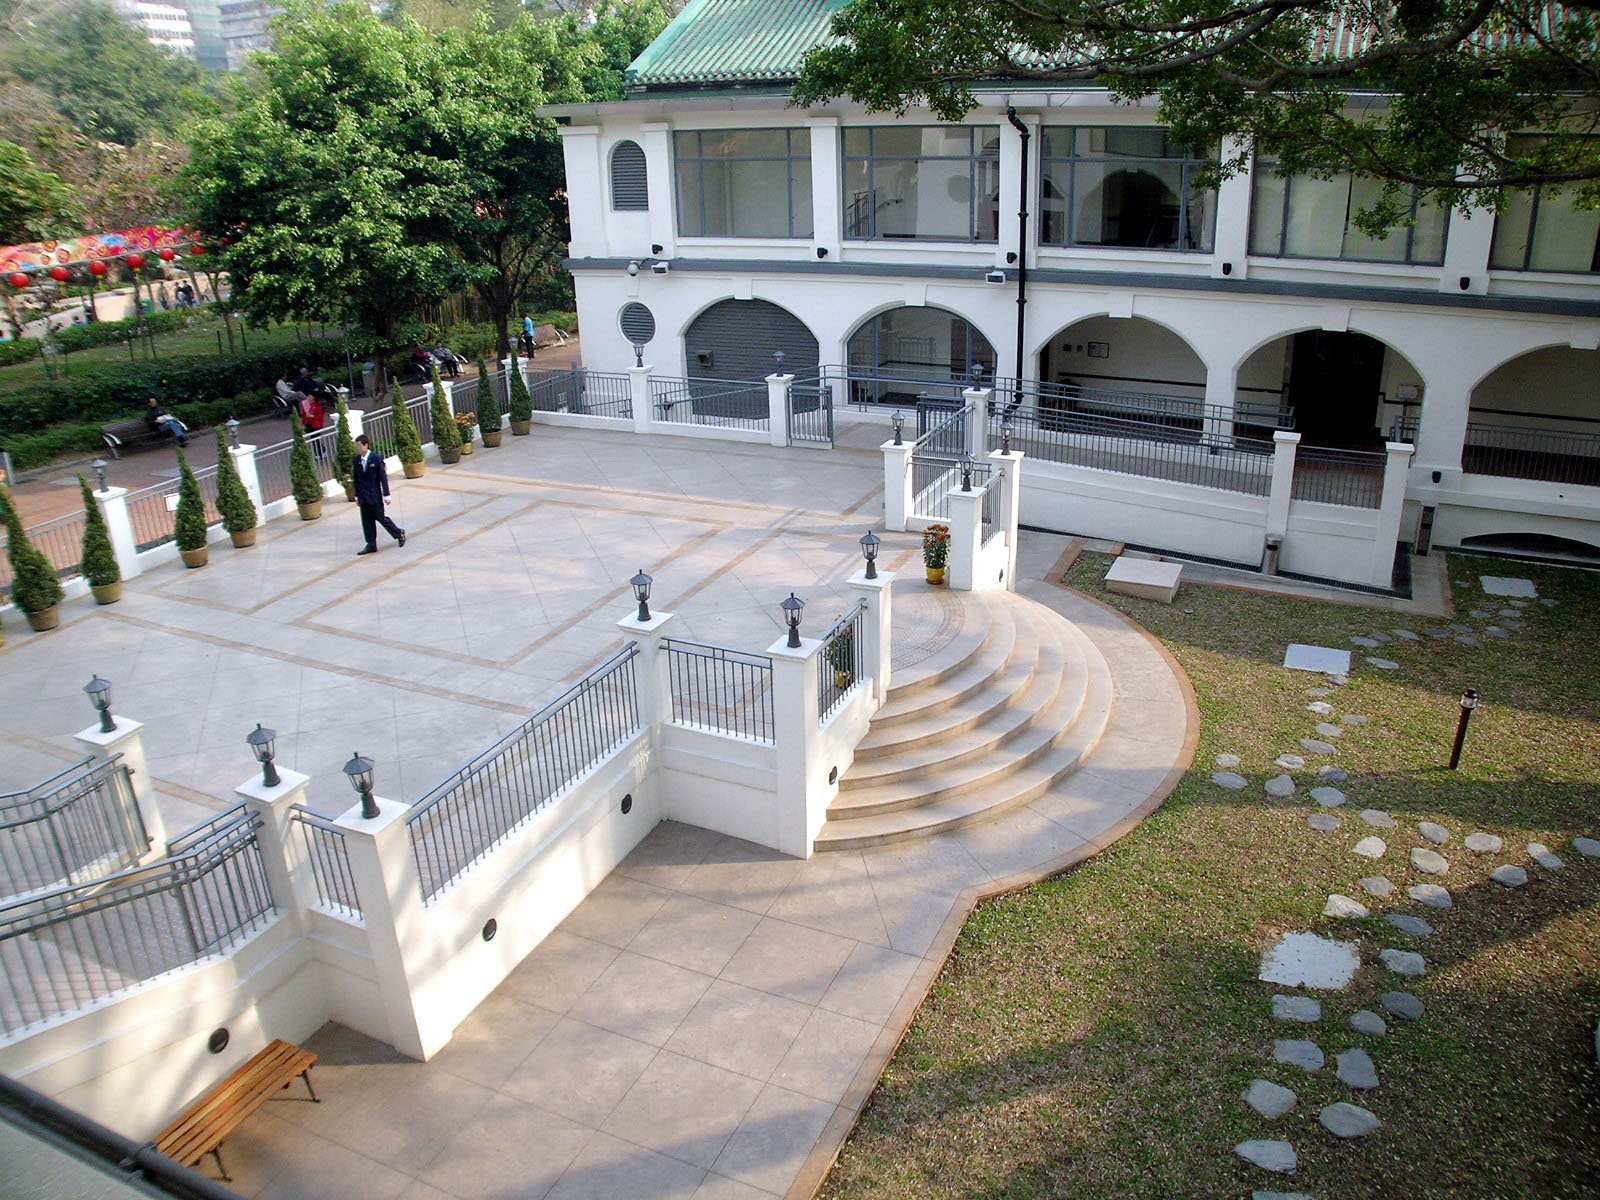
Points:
842	658
303	481
407	442
34	586
466	424
520	403
935	551
446	435
488	409
189	527
344	455
99	567
234	505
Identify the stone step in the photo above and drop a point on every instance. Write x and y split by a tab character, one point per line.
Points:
976	616
968	668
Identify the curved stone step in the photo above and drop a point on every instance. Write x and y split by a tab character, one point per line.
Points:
977	625
966	671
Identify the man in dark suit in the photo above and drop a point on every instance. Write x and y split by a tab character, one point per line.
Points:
372	493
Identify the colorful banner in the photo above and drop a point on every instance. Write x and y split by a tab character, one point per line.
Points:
40	256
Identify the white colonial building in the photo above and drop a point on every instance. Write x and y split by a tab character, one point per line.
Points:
1153	337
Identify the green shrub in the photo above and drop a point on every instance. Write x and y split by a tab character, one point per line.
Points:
99	560
445	434
303	481
234	505
408	443
567	322
41	448
521	404
34	586
18	350
189	527
344	450
488	402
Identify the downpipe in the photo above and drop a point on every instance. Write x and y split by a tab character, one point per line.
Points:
1022	239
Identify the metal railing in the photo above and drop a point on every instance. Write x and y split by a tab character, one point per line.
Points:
69	947
330	862
1523	452
464	817
942	429
934	477
1353	478
1148	408
153	519
583	392
59	540
900	385
720	690
75	826
839	670
811	413
727	403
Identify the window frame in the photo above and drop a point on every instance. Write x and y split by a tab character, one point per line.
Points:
1262	168
1188	163
975	155
1535	202
699	159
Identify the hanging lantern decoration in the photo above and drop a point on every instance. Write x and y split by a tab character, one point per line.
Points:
197	249
166	254
97	268
135	261
18	280
60	274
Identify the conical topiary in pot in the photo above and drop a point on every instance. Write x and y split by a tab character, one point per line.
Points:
34	586
303	481
100	569
488	408
344	455
237	510
189	527
446	435
407	441
519	403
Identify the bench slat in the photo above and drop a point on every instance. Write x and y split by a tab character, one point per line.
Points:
206	1123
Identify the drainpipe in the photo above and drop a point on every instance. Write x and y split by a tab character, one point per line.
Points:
1022	238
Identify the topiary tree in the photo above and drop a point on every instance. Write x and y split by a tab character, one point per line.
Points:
407	442
344	453
521	404
189	527
34	586
445	434
234	505
488	402
303	481
99	559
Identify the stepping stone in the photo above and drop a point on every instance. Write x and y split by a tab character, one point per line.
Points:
1377	817
1311	961
1509	876
1513	623
1365	643
1479	614
1355	1068
1322	822
1437	834
1318	693
1405	635
1321	707
1348	1120
1430	894
1315	747
1384	664
1289	762
1540	853
1376	885
1268	1155
1380	637
1461	628
1467	641
1258	1194
1271	1100
1403	962
1437	633
1521	604
1322	659
1415	926
1369	1023
1296	1008
1324	729
1298	1053
1429	862
1328	797
1587	847
1226	762
1483	843
1548	603
1401	1004
1508	612
1498	585
1340	679
1344	907
1332	774
1353	719
1280	786
1371	847
1495	631
1228	779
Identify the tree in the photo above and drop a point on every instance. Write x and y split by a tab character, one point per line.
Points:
344	453
32	200
1422	94
189	526
34	586
303	481
446	436
488	402
99	560
407	441
234	506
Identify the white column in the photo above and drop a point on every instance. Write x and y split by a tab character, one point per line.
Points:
1232	241
657	139
1466	252
449	396
778	409
1285	446
126	741
651	676
640	398
587	185
802	789
1221	393
113	505
1006	473
288	871
978	400
827	225
875	629
1442	428
244	461
355	419
896	484
1011	201
1391	508
966	538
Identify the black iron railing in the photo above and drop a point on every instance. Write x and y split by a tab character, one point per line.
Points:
727	403
330	862
1523	452
1353	478
720	690
839	670
74	827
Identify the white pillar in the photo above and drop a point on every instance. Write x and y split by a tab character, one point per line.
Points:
640	398
1391	508
896	484
1231	243
288	870
355	419
1006	474
1220	399
966	538
1285	446
113	505
126	741
658	158
978	400
1467	247
802	786
1442	428
1011	201
875	629
651	677
244	461
778	409
827	228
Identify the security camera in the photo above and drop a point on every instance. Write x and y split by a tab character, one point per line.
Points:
633	267
996	277
660	268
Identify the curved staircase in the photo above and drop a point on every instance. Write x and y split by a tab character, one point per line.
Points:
995	699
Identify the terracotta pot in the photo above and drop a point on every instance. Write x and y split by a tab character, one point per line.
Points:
492	438
309	512
244	539
522	428
449	455
935	575
413	470
196	558
45	618
106	593
466	447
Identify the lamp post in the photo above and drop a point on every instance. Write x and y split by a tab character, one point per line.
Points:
232	426
641	591
778	357
638	354
99	692
899	423
260	742
869	550
1469	701
359	772
966	472
1005	438
792	608
99	466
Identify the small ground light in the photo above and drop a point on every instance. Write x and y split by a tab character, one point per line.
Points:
260	742
99	692
792	608
359	772
869	550
1469	701
641	591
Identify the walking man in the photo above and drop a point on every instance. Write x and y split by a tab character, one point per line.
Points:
372	493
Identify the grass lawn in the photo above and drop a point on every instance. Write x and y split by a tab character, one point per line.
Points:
1090	1036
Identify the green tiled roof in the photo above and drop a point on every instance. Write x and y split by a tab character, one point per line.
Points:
734	42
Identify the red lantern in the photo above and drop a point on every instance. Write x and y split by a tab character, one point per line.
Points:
135	261
18	280
166	254
197	249
97	268
60	274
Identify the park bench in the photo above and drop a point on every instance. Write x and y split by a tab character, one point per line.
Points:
549	335
202	1127
130	433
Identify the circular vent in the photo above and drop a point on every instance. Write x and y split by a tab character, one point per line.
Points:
638	323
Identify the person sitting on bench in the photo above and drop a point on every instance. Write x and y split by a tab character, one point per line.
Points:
162	421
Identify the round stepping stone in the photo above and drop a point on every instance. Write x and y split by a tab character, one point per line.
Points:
1376	885
1296	1008
1509	623
1461	628
1328	797
1369	1023
1437	633
1355	1068
1401	1004
1319	692
1289	762
1430	894
1384	664
1380	637
1322	822
1587	847
1437	834
1332	774
1269	1099
1495	631
1509	876
1321	707
1279	785
1229	779
1365	643
1403	962
1348	1120
1429	862
1483	843
1226	762
1339	680
1344	907
1377	818
1405	635
1315	747
1353	719
1540	853
1415	926
1328	730
1371	847
1467	641
1296	1052
1479	614
1268	1155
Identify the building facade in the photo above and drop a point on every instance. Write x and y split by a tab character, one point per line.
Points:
164	25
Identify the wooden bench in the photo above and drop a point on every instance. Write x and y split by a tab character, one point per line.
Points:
205	1124
135	432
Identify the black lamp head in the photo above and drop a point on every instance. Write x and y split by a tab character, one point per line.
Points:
99	692
899	422
359	772
641	591
261	742
792	608
869	550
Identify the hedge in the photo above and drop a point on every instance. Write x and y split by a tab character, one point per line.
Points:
38	449
110	333
18	350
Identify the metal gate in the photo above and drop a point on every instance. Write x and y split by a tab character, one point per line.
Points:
942	427
811	414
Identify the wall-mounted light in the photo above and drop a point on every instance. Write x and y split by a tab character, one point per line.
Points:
1466	282
1011	256
1227	268
633	267
660	268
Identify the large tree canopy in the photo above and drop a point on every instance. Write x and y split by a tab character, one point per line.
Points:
1421	93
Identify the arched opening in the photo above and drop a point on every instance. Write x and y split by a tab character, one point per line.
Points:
1538	417
1123	368
906	352
1337	388
736	342
1535	545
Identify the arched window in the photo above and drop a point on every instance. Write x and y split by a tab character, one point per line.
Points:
630	187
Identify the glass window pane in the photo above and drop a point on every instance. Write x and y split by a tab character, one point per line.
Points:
744	143
857	200
1058	141
946	140
1427	238
1134	206
1138	143
689	199
1315	225
1266	211
758	198
1200	218
1053	205
1564	238
939	200
986	201
894	199
857	143
686	145
1511	229
716	198
1360	246
800	195
897	141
